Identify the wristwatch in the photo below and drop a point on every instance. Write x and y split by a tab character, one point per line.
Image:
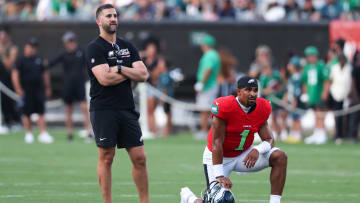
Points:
119	68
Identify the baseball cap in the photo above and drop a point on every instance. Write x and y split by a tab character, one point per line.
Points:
295	61
33	42
247	81
208	40
69	36
311	50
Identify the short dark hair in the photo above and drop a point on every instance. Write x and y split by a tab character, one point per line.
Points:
102	7
341	43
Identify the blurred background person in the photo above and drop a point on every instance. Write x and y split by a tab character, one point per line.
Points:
73	63
273	85
340	87
193	10
32	83
337	48
226	10
274	11
262	56
167	86
331	10
309	12
8	55
355	99
245	10
315	79
206	84
292	10
292	97
227	76
150	57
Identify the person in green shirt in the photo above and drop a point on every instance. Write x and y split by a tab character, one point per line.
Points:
315	79
292	97
206	85
273	86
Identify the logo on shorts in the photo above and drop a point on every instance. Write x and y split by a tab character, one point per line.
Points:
102	139
92	60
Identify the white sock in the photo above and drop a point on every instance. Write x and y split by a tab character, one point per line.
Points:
192	199
275	198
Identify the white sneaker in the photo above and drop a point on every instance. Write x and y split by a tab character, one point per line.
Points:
283	135
45	138
321	137
310	140
185	194
29	138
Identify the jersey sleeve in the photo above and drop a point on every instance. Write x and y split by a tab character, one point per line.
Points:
95	56
267	109
209	63
134	53
218	109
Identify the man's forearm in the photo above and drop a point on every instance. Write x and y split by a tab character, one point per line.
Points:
138	75
217	154
113	77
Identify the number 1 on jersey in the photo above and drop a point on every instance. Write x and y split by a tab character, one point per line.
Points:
244	135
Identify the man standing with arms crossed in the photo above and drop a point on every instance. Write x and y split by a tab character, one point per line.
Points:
112	64
235	120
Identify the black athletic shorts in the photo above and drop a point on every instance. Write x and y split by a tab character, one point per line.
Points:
74	93
34	102
167	107
116	128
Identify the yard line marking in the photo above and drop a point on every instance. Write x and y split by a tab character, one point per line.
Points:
153	195
11	196
324	172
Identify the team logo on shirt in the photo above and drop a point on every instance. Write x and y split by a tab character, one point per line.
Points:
214	109
123	52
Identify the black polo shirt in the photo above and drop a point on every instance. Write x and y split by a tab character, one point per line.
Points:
31	71
356	77
74	66
116	97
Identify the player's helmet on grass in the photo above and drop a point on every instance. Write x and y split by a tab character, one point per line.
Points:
218	194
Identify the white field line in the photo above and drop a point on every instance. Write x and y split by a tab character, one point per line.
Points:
11	196
187	183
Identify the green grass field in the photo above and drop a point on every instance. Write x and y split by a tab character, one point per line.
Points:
65	172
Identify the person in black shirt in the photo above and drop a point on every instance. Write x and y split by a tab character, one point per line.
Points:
32	83
112	64
8	55
355	100
74	65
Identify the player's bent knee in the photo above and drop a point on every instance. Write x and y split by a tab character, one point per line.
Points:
278	158
140	161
